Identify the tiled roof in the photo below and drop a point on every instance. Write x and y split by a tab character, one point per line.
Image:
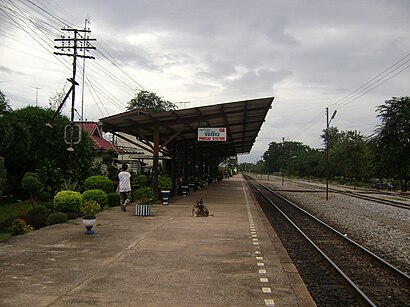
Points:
92	129
103	144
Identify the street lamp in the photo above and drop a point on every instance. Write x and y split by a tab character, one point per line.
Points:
327	148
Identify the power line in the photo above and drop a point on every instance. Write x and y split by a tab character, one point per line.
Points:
38	23
381	78
372	81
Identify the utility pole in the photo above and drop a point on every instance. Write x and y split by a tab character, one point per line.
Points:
70	46
327	148
37	88
84	57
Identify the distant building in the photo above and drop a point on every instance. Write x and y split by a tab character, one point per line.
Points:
135	153
125	147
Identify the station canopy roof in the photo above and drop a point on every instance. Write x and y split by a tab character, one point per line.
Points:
178	129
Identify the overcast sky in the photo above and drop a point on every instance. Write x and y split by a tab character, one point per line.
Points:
309	55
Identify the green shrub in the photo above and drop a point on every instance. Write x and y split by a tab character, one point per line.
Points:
6	223
99	182
73	215
49	205
37	221
32	174
32	184
57	218
19	227
43	195
70	185
50	175
67	201
90	208
164	183
97	195
38	210
140	181
143	195
37	216
113	199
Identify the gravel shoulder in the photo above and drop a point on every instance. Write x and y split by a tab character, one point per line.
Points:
383	229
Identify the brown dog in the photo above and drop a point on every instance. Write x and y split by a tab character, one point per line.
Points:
199	209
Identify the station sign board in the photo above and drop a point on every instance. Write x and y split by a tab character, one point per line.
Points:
212	134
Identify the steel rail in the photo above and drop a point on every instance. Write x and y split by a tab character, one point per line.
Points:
384	262
353	194
353	286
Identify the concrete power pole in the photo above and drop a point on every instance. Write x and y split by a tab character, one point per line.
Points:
36	88
70	46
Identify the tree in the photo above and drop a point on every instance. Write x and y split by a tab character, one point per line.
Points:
50	175
83	159
306	162
13	134
55	101
392	139
351	156
27	141
330	137
32	184
149	101
42	142
4	104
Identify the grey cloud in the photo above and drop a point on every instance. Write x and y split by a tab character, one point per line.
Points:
215	69
257	81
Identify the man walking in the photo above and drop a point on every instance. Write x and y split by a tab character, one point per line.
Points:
124	187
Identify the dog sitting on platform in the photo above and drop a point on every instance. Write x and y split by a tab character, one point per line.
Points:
199	209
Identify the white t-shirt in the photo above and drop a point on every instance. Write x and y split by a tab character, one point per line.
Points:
125	183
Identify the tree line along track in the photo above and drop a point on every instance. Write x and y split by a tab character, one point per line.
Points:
344	273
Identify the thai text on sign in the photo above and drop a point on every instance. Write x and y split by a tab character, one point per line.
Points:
212	134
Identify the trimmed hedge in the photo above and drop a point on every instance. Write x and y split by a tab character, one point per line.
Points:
99	182
57	218
97	195
67	201
113	199
143	195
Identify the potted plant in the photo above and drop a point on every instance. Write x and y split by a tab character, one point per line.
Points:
184	188
165	186
205	181
144	197
89	208
191	182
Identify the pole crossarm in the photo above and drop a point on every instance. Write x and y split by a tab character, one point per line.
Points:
75	55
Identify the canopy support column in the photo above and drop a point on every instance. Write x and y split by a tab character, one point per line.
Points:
155	163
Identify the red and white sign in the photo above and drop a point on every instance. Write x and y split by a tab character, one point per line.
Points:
212	134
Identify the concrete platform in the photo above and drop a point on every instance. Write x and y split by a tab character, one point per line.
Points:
232	258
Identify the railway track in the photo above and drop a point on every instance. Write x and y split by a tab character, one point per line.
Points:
346	274
362	194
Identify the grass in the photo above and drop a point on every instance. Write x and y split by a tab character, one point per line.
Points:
4	236
10	210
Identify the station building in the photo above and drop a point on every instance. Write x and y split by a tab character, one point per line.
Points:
192	141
